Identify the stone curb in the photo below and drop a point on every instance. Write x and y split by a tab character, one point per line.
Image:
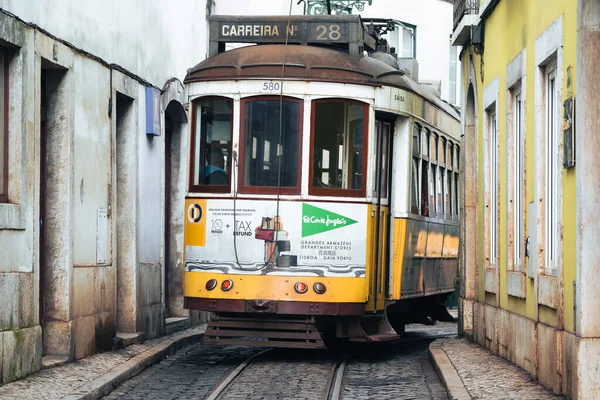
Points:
447	373
106	383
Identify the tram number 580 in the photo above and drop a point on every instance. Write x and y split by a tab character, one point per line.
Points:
271	86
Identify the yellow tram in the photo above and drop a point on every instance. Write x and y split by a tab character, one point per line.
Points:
323	186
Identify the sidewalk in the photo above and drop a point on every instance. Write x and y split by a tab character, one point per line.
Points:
470	371
94	376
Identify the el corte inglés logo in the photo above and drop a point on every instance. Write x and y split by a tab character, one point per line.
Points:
317	220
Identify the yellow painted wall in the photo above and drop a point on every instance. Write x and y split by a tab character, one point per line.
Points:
515	25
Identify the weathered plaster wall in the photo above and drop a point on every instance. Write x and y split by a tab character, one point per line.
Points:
19	279
541	326
92	164
92	173
588	176
138	35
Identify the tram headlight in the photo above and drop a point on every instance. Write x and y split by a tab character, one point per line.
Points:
211	284
301	287
226	285
319	288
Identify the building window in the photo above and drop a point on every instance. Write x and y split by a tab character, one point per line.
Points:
3	126
409	41
211	145
552	113
518	185
452	80
339	148
404	39
492	181
271	145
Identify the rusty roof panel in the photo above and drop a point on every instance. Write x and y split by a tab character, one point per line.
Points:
311	63
302	62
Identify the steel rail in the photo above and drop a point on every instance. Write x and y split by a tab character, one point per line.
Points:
334	389
226	383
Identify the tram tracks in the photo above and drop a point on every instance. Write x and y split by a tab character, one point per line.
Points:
335	387
300	374
330	388
227	382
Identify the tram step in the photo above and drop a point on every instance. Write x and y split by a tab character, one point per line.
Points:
263	332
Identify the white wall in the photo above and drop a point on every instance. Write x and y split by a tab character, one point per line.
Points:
257	7
155	39
433	19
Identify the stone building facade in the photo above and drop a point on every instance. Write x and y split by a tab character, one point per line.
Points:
530	222
94	128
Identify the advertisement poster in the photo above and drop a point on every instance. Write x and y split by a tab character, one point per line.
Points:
260	237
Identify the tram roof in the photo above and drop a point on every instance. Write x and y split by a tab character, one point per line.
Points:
311	63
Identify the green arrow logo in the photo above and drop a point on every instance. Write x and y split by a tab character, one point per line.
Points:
317	220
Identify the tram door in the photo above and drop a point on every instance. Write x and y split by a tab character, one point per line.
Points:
380	216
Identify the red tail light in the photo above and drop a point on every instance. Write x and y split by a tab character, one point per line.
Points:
301	287
226	285
211	284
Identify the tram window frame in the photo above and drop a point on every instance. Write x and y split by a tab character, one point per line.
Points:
443	205
263	189
449	178
415	202
331	191
442	152
449	157
433	174
456	160
208	187
425	172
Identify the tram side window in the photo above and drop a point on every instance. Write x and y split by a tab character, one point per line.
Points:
449	179
338	153
211	145
416	159
434	177
271	145
442	189
456	180
421	172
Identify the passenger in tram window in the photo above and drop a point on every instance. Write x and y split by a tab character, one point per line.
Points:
214	172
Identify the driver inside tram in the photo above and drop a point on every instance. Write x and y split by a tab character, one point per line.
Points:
214	171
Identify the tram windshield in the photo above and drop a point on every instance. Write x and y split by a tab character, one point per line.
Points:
338	138
271	145
211	143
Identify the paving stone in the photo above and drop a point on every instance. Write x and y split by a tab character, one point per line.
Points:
57	382
487	376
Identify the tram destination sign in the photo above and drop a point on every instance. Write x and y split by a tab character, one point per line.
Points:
334	29
277	32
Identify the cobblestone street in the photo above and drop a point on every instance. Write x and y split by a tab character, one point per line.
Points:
382	371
